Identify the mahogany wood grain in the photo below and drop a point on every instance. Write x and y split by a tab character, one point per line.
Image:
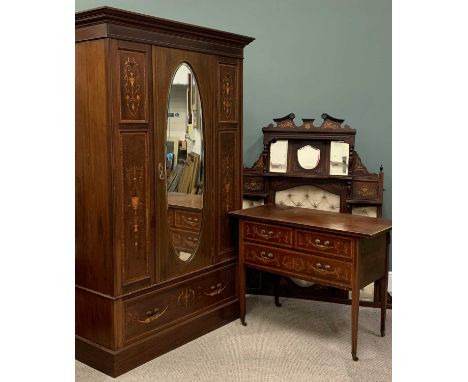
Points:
345	251
125	63
93	173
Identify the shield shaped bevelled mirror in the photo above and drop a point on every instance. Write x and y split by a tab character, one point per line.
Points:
184	163
308	157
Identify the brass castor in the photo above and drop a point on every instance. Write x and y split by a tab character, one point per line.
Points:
355	357
243	322
277	303
382	333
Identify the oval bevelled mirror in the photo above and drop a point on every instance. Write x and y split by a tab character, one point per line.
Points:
184	163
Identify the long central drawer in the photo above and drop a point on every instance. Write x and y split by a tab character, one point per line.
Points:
318	268
152	311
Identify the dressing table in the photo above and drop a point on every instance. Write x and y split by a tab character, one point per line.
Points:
328	248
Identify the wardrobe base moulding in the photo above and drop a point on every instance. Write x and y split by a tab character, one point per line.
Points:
115	363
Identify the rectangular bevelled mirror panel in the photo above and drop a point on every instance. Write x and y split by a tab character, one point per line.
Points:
339	158
279	156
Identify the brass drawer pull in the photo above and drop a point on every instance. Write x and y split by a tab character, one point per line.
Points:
215	290
263	233
266	256
153	315
322	267
317	243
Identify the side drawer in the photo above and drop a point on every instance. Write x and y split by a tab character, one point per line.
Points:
328	244
312	267
156	310
188	220
267	233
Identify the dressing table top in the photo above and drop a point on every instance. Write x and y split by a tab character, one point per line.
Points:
353	225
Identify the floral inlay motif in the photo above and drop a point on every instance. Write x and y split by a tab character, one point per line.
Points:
132	87
134	181
228	88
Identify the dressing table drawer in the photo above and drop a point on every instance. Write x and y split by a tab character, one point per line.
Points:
188	220
323	243
268	233
322	269
153	311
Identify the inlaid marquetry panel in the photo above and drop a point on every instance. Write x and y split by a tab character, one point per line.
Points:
133	86
134	151
228	92
227	191
365	190
254	184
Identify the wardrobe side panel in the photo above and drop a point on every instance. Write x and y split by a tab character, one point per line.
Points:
93	175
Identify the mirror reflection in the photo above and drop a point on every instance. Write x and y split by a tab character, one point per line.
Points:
184	163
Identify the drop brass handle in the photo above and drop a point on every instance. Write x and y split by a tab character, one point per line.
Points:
153	315
265	234
267	256
215	290
161	171
317	243
322	267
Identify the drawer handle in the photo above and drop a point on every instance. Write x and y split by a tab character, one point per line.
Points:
266	256
317	243
153	315
263	233
322	267
215	290
192	221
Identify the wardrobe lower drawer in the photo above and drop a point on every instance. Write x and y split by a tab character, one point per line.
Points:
155	310
318	268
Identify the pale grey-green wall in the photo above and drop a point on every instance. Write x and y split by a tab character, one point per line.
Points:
309	57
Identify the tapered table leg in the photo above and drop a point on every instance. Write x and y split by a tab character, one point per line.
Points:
276	288
354	321
383	301
242	293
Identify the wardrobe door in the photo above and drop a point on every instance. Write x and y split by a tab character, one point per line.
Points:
183	112
228	154
134	169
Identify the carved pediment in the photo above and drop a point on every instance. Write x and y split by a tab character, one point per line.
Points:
287	122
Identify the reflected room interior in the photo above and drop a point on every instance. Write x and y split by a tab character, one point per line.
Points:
184	163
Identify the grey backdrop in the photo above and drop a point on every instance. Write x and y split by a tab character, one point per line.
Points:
309	57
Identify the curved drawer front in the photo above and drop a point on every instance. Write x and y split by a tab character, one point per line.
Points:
268	233
188	220
153	311
327	244
334	272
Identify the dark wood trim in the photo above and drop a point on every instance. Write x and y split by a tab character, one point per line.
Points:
137	27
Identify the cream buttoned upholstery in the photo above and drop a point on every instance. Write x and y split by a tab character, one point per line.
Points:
308	197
